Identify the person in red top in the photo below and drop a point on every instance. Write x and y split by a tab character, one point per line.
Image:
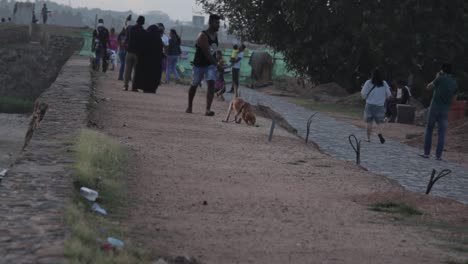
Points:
113	46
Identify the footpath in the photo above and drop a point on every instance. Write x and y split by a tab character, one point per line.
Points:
393	159
221	193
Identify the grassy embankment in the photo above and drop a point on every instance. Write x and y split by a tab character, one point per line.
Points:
13	105
101	165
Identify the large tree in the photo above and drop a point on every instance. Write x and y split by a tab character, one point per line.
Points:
342	40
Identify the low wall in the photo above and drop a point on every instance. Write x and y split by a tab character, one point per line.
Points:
13	34
27	69
36	189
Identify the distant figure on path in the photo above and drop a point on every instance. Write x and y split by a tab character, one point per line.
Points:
445	89
236	66
101	43
45	14
122	52
173	53
3	20
135	36
148	67
205	64
165	41
375	91
113	46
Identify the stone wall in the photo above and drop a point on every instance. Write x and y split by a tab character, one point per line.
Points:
13	34
27	69
36	189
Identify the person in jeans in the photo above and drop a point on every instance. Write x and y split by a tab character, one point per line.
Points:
205	64
445	89
236	66
101	43
135	38
173	53
375	91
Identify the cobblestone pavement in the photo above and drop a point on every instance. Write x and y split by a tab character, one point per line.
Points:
395	160
36	189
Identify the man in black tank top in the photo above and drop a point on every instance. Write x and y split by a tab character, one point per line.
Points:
205	64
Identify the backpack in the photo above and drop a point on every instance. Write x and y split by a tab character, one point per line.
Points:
102	37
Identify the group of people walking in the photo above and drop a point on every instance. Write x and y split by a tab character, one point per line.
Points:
377	93
149	52
144	54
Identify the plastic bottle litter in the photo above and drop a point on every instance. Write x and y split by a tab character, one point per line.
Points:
89	194
115	242
98	209
3	173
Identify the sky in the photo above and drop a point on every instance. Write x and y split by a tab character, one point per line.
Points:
176	9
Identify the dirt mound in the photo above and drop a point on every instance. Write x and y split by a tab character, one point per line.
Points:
458	135
354	99
267	112
327	92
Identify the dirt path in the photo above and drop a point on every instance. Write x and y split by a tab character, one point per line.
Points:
222	194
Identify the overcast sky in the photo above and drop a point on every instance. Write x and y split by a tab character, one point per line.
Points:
176	9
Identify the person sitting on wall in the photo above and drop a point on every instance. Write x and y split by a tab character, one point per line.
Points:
401	96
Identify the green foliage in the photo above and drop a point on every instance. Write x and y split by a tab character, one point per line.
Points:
342	40
15	105
351	111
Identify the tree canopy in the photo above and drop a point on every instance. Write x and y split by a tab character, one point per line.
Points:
343	40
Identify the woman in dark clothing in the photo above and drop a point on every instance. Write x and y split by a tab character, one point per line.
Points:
148	69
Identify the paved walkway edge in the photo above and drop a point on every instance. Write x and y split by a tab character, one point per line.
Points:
394	160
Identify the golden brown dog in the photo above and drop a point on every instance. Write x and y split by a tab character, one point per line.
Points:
242	108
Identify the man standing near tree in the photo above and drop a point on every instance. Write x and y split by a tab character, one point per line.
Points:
205	64
445	90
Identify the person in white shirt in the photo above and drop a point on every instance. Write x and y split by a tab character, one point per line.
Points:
236	66
375	91
165	41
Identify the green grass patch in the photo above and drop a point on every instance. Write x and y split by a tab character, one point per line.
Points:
348	110
13	105
101	165
457	262
395	208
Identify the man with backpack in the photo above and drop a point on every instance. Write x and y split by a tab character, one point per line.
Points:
101	42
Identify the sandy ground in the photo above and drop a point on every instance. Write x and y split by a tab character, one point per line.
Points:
13	128
221	193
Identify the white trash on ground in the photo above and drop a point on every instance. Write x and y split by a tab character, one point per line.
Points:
98	209
115	242
89	194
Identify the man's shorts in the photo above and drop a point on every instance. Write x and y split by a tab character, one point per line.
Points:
209	73
374	112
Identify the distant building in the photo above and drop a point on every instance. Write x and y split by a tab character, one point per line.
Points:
198	21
